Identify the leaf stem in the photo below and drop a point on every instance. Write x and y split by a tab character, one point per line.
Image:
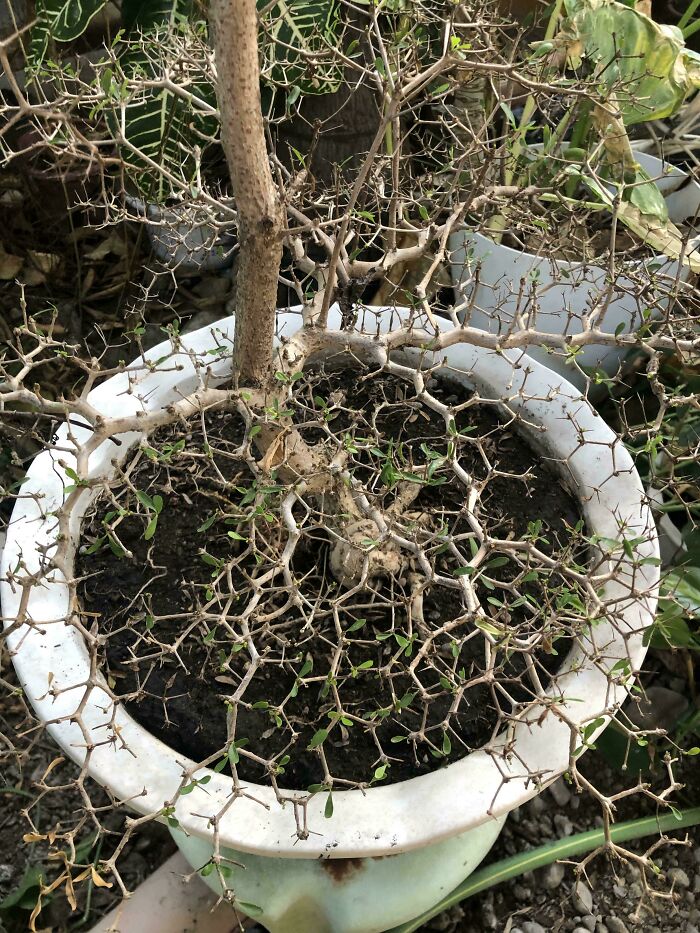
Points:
685	20
545	855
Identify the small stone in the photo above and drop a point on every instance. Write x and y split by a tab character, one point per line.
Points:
531	927
615	925
6	873
522	893
581	930
659	708
588	922
536	806
553	876
601	928
583	898
560	792
563	824
619	891
678	878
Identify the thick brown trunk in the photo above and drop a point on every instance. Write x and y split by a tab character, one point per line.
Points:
259	206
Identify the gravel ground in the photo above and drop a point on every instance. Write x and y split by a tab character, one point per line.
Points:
612	898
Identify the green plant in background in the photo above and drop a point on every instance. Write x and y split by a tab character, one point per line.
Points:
638	70
166	121
689	22
668	458
567	848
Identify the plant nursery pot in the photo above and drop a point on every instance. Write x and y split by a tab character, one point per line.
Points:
513	282
59	184
183	238
389	852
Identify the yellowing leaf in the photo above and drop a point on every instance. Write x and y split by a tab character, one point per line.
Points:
646	61
98	880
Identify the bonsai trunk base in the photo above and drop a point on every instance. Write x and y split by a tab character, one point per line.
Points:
354	895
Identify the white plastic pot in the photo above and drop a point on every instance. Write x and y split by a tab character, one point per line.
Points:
405	844
513	282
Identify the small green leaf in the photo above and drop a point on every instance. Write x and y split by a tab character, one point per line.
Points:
151	528
318	738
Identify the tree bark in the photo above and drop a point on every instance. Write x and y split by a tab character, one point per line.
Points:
258	202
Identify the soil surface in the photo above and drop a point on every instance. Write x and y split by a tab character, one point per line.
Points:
147	591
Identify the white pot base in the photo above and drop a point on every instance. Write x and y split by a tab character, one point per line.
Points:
359	895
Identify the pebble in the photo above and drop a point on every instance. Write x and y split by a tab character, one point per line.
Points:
588	922
678	877
619	891
553	876
6	873
660	708
536	806
560	792
531	927
580	930
615	925
522	893
563	824
583	898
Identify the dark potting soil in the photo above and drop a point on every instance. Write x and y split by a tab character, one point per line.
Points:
168	588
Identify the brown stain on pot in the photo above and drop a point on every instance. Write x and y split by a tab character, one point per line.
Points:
341	869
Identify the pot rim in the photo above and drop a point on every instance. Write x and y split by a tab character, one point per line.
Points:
382	820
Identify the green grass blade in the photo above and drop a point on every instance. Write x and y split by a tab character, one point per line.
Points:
545	855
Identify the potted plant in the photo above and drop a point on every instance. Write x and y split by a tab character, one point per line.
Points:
640	71
350	566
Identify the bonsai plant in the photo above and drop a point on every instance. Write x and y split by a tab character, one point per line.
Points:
421	573
605	198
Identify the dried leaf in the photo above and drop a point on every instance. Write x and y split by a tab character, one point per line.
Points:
9	265
40	265
33	837
98	880
114	244
54	764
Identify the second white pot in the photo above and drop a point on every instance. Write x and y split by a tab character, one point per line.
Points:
558	295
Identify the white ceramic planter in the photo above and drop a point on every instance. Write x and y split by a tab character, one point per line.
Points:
408	843
514	283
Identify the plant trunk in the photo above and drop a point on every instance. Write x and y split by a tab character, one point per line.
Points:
259	206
